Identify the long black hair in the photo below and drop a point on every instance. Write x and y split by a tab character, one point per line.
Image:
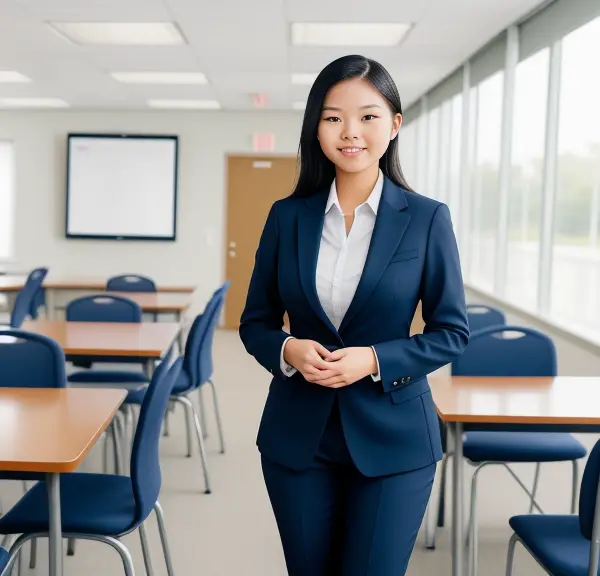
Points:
316	170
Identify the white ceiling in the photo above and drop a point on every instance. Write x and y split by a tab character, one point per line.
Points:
241	45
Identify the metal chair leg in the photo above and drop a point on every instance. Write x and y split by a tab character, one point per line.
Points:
536	478
472	547
511	555
71	547
160	518
575	486
199	434
146	550
123	552
188	430
202	408
218	416
166	430
33	554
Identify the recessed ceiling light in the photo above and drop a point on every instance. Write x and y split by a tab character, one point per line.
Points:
120	33
304	79
351	34
32	103
299	105
10	76
160	77
185	104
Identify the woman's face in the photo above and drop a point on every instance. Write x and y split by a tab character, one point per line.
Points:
356	125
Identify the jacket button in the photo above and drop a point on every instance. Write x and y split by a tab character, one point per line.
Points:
395	383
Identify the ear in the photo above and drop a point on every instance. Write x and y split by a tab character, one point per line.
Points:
396	123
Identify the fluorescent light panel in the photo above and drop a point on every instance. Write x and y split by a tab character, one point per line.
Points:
350	34
304	79
12	77
120	33
32	103
160	77
185	104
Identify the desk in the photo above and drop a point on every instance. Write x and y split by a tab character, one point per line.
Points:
51	430
11	284
561	404
144	340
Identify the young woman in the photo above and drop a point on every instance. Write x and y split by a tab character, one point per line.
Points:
349	435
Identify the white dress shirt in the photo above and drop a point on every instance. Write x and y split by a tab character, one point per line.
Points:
342	258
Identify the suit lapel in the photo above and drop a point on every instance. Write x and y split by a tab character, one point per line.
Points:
390	225
311	216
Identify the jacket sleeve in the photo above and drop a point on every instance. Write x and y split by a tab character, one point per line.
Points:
446	331
262	319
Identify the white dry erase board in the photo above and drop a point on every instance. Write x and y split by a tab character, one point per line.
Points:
122	186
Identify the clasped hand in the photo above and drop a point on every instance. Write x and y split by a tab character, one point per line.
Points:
330	369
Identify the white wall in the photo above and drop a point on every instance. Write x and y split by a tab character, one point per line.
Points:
205	139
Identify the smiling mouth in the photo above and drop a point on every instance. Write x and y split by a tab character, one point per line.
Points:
352	150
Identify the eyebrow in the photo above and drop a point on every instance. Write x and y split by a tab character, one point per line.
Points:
333	108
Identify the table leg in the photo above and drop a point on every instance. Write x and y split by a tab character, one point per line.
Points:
180	333
457	500
50	304
55	527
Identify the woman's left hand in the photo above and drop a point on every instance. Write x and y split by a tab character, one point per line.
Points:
352	364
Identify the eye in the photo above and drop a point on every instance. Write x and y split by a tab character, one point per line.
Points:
370	116
331	119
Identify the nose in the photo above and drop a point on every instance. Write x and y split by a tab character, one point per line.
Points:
350	131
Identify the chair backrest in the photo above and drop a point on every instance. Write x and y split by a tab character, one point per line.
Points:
507	351
26	296
481	316
588	492
195	348
30	361
145	463
205	355
130	283
103	308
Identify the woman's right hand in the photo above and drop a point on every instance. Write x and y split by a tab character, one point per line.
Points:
306	356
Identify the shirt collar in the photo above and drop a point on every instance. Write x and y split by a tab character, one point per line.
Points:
372	200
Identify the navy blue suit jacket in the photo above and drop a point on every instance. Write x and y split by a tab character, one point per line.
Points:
390	426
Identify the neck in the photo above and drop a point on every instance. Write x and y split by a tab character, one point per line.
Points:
353	188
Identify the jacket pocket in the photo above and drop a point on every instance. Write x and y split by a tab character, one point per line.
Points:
409	391
402	255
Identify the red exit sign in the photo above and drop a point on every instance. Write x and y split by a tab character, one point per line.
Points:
263	142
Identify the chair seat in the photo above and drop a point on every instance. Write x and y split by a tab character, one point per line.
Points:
100	504
4	556
556	541
521	447
124	376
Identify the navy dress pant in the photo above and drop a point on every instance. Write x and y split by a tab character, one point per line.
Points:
333	521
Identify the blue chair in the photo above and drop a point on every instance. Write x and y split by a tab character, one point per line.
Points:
481	316
512	351
564	545
24	302
197	371
4	557
105	308
130	283
120	504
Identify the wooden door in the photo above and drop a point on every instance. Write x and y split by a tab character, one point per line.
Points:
254	183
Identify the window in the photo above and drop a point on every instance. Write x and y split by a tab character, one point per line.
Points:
453	117
575	285
526	187
407	145
431	187
6	200
485	174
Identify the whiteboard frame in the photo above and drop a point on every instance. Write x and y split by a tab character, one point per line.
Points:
114	136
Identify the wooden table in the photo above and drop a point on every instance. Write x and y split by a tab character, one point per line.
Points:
51	430
144	340
159	302
11	284
561	404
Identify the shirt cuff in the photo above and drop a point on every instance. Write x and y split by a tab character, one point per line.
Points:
285	367
376	377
